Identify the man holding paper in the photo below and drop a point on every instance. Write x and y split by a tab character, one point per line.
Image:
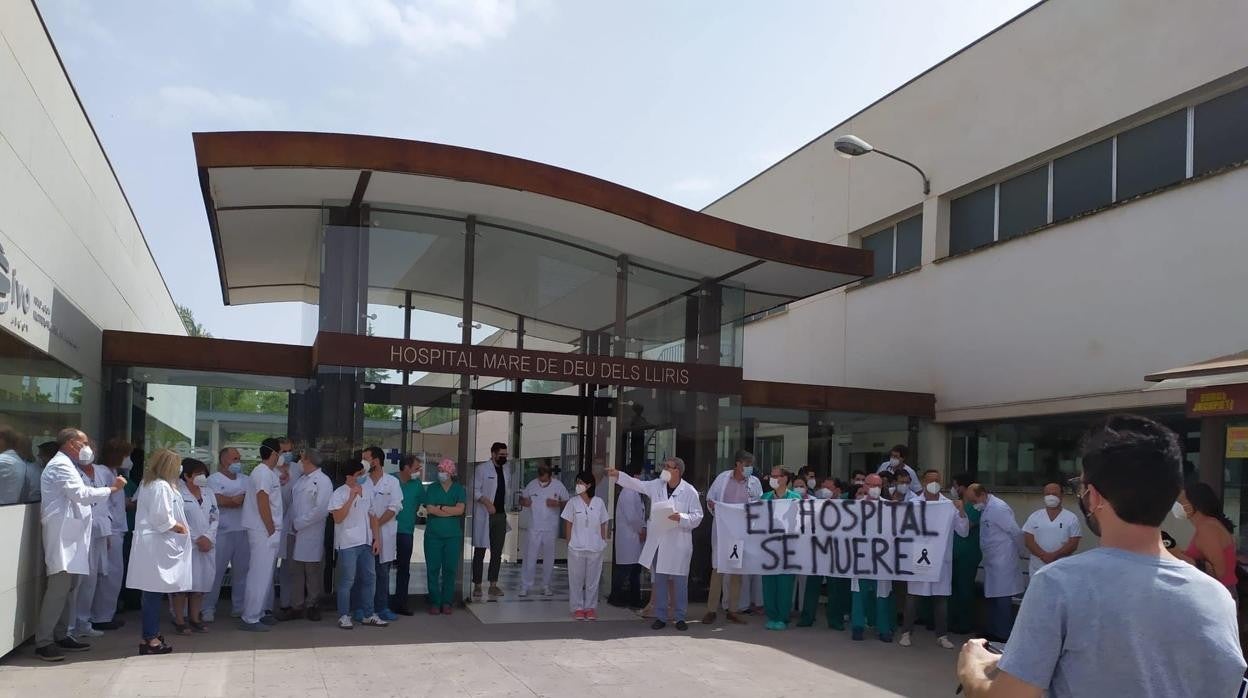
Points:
675	510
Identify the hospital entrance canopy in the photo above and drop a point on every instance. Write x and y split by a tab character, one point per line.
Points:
564	253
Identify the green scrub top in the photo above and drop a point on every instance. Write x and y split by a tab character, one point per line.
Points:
968	547
413	495
444	526
788	494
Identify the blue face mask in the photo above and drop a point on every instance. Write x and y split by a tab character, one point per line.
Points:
236	468
747	470
443	477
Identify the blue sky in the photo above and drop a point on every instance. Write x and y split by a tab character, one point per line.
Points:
683	99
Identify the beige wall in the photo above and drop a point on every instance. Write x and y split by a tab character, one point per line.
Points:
63	212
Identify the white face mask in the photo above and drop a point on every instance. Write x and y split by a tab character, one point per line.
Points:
953	493
800	490
774	482
126	464
1052	501
894	462
367	466
810	483
666	475
823	493
200	480
443	477
979	506
933	488
1178	511
86	456
581	488
873	492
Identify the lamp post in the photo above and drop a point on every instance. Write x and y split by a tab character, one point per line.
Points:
851	146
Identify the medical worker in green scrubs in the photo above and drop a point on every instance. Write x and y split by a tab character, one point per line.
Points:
778	588
966	558
444	536
868	595
838	587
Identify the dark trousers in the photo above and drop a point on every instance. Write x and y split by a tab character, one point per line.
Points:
1000	618
403	571
626	585
498	533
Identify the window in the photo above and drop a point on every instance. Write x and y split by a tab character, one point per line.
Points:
1152	156
1024	203
1220	132
897	248
1083	180
972	220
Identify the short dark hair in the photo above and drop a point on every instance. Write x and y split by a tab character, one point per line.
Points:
191	466
587	477
964	479
856	473
376	452
412	459
743	456
271	445
929	471
888	476
498	446
1136	464
901	450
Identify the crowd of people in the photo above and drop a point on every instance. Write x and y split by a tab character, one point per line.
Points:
188	529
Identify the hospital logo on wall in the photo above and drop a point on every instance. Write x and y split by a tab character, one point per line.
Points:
12	292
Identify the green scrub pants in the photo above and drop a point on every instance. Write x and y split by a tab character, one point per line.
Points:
778	596
864	601
838	601
442	563
962	597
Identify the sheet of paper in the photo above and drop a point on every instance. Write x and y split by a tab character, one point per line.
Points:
659	523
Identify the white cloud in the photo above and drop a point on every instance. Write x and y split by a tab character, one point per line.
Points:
416	26
692	185
180	105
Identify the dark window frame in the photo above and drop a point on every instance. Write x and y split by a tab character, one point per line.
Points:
892	233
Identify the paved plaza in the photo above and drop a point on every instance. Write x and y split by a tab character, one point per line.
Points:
461	656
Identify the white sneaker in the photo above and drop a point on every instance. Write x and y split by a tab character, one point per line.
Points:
944	642
345	623
548	592
374	620
905	640
524	591
88	632
208	616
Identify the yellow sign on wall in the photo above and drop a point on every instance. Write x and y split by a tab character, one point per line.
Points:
1237	442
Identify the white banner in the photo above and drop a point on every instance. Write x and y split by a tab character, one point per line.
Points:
834	538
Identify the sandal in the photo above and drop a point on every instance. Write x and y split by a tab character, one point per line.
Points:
197	626
146	648
181	628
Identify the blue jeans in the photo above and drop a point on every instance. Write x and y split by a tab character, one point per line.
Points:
381	597
356	571
153	601
681	602
403	566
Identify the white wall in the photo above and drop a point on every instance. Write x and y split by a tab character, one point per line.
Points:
63	213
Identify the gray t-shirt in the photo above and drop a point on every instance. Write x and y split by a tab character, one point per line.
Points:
1112	623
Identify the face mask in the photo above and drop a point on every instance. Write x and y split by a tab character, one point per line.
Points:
892	489
126	464
953	493
800	490
979	506
443	477
366	465
236	468
666	476
200	480
823	493
859	482
1052	501
810	483
747	470
894	462
873	492
1178	511
774	482
1093	526
581	488
933	488
86	456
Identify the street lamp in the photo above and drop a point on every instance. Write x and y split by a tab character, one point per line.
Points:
851	146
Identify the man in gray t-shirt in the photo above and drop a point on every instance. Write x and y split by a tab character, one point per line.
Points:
1127	619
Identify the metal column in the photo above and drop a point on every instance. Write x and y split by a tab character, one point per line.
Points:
465	388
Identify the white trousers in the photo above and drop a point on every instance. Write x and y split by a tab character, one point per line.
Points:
108	589
751	592
538	544
233	548
259	573
584	571
97	558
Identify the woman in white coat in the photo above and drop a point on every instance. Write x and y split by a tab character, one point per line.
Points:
675	510
202	517
939	590
630	534
160	554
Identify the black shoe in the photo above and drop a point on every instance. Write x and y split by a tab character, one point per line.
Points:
49	653
403	611
682	625
114	624
313	614
269	619
69	644
658	625
163	648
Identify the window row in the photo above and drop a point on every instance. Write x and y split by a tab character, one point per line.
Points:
1187	143
897	248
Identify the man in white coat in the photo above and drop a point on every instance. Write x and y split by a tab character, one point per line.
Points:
309	509
1051	533
386	494
896	464
544	497
262	517
630	535
1001	541
736	486
675	511
65	512
94	475
939	590
491	485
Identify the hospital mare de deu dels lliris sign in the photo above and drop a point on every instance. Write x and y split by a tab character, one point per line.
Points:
334	349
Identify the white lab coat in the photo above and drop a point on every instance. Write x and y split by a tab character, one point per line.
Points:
541	516
630	521
12	477
915	485
309	505
202	519
671	551
1001	541
65	512
386	495
754	491
160	560
484	484
943	586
